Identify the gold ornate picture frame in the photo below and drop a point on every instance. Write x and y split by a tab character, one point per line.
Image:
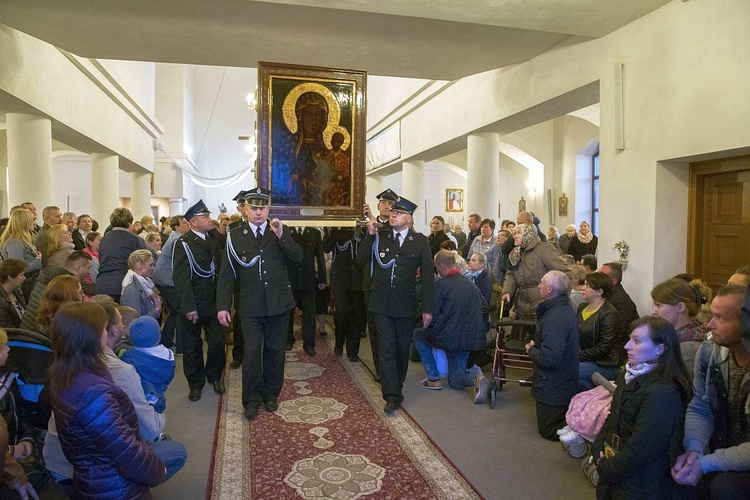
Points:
311	124
454	200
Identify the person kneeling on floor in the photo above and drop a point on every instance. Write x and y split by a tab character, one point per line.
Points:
456	327
554	352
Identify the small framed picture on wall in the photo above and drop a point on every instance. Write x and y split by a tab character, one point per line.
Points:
454	200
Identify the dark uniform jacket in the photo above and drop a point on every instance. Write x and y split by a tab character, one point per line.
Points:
341	243
393	291
197	293
264	287
303	275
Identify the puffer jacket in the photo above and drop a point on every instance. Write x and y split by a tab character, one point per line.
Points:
600	336
98	430
536	261
46	275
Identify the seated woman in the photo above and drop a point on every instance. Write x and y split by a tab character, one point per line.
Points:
96	421
477	271
599	333
577	284
138	289
679	303
60	290
645	423
59	245
12	301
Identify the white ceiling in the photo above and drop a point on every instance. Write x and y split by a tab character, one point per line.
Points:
438	39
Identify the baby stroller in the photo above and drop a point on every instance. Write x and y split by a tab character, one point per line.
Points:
586	415
30	356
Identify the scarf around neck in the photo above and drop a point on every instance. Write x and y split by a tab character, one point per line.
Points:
146	283
633	371
585	239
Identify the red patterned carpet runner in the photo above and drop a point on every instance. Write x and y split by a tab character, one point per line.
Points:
329	439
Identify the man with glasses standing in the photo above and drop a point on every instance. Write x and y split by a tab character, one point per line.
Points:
396	253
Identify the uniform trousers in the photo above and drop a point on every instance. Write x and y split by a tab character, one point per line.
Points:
373	331
346	325
265	353
171	333
238	340
393	346
196	372
305	300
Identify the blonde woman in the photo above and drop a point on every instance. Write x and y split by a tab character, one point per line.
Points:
138	289
17	242
59	245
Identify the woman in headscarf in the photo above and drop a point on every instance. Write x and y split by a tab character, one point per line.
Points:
530	261
584	242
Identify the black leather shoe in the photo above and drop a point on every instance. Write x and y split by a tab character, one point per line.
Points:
272	405
353	358
392	406
309	350
251	411
218	386
236	363
195	394
338	351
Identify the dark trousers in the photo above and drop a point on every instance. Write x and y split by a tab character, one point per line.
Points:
171	333
263	362
394	341
238	340
346	326
723	486
305	300
549	419
196	372
373	331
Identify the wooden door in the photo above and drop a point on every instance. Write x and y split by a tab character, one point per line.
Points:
719	226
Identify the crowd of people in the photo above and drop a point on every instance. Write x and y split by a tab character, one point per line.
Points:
677	422
118	306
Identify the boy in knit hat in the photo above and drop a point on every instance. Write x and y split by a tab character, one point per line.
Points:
153	362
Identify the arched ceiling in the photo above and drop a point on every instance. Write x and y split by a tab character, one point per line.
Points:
440	40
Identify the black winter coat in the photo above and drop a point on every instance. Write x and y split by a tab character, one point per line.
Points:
555	353
650	414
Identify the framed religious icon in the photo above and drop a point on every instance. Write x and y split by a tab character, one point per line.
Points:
454	200
311	123
562	206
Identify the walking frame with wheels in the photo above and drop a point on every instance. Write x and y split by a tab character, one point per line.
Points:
507	357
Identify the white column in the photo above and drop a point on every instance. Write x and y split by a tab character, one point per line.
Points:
140	196
30	160
105	177
483	167
373	187
175	206
412	188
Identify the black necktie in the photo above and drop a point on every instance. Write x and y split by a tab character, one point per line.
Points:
398	240
258	234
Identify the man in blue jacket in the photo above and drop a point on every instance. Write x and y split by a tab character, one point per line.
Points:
457	326
554	352
717	424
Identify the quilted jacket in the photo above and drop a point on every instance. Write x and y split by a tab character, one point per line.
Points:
98	430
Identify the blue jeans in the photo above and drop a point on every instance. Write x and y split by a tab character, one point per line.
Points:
587	368
457	377
172	454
